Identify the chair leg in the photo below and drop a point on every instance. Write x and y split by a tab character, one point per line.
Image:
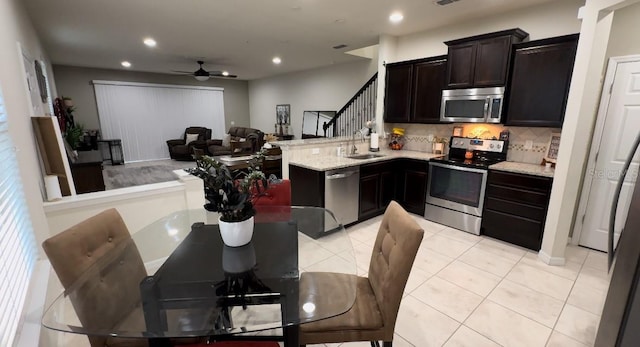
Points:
375	344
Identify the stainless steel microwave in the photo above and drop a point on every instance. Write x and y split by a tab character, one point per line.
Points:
474	105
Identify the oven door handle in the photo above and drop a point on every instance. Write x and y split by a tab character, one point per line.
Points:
456	167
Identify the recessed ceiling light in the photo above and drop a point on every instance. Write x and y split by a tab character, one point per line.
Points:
150	42
225	73
396	17
276	60
125	64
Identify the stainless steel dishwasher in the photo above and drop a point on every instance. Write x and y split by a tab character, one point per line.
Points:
342	193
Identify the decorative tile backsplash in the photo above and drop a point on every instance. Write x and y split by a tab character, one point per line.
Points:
419	137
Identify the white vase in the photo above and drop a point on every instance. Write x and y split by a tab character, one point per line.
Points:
236	234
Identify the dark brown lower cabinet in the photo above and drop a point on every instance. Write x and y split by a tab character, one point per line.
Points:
307	186
515	208
87	172
412	185
377	189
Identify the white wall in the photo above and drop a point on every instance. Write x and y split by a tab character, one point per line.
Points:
624	31
15	26
554	18
324	89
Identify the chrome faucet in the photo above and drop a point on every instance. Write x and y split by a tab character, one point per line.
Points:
354	149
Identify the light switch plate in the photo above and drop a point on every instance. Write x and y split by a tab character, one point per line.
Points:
315	151
528	144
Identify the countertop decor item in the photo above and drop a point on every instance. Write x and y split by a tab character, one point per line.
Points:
552	148
438	144
231	194
396	141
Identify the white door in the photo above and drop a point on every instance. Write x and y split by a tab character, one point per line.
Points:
621	127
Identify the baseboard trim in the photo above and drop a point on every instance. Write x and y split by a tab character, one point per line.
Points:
549	260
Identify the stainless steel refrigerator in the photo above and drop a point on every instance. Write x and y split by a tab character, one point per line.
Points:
620	322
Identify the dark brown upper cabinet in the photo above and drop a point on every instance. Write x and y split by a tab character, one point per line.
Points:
413	90
429	80
540	79
397	100
481	61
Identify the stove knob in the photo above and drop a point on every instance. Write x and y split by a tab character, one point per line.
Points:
499	146
491	145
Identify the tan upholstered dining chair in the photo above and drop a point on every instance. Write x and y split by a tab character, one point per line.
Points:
102	301
373	315
105	299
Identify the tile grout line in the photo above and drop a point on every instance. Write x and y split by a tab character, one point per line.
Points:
487	298
564	304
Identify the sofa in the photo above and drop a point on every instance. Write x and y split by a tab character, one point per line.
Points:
238	141
180	149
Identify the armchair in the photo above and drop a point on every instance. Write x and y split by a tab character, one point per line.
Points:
179	149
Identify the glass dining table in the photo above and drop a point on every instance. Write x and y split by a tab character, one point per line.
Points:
197	287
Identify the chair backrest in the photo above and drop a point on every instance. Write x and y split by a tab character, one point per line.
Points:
203	133
393	254
101	299
277	194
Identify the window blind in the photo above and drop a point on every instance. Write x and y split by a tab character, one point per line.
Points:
144	116
18	252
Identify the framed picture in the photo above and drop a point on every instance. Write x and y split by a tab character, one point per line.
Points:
283	114
552	148
457	131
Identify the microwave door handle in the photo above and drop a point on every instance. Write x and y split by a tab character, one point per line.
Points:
487	102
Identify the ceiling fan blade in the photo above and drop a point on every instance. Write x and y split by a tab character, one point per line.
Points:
183	72
219	74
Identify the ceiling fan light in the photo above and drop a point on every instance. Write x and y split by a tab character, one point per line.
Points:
201	78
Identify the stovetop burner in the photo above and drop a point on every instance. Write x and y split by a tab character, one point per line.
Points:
482	163
485	152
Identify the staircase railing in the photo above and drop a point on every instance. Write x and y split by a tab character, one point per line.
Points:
356	112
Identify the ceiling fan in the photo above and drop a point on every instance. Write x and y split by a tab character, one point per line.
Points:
203	75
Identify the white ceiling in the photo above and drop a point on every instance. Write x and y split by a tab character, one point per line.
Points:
241	36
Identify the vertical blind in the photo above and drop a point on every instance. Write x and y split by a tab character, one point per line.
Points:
18	250
144	116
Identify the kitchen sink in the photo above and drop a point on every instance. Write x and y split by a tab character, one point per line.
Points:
365	156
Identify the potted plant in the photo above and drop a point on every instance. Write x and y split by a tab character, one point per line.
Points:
231	195
74	135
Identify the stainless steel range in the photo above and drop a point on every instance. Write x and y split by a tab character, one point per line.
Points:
455	191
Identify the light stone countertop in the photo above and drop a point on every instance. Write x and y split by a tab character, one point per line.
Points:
524	168
331	162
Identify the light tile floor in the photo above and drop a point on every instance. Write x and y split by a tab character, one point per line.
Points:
467	290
